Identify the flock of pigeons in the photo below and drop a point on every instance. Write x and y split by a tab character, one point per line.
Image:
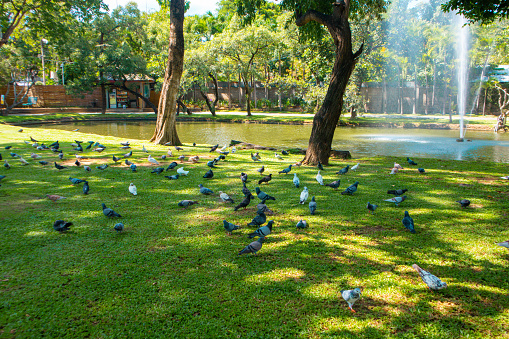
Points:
259	220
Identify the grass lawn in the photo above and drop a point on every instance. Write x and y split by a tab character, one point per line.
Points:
175	273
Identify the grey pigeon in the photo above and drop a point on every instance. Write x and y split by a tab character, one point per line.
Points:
411	162
261	169
312	206
109	212
115	159
187	203
296	180
283	152
351	189
127	162
244	203
408	222
87	168
243	177
61	155
59	167
127	155
334	184
172	177
351	296
6	165
205	190
76	181
229	227
86	188
421	170
42	162
320	166
211	163
265	179
262	195
172	165
262	207
102	167
262	231
77	163
433	282
61	226
133	167
158	170
302	224
245	190
371	207
286	170
343	170
464	202
119	227
397	192
259	219
253	247
213	148
396	200
209	174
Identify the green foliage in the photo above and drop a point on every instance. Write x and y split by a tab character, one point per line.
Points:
485	11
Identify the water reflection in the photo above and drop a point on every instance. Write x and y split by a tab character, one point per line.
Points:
359	141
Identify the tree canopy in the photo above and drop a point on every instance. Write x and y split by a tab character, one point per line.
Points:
485	11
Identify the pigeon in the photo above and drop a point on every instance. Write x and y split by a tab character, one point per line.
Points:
304	195
265	179
355	167
76	181
296	180
89	145
209	174
109	212
286	170
181	171
33	140
119	227
144	149
397	192
229	227
312	206
211	163
244	203
181	158
115	159
86	188
125	143
396	200
464	202
99	149
213	148
79	148
59	167
172	177
351	189
259	219
411	162
205	190
77	163
254	158
132	189
243	177
394	170
397	166
257	156
253	247
334	184
158	170
127	162
2	177
506	177
152	160
433	282
371	207
262	231
302	224
343	170
262	195
262	207
225	197
8	147
194	159
283	152
78	157
133	167
245	190
408	222
23	161
421	170
319	178
234	149
102	167
35	156
351	296
6	165
54	197
44	163
87	168
20	130
61	226
170	153
320	166
261	169
223	148
278	156
186	203
172	165
504	244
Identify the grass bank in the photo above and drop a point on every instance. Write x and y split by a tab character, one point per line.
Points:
174	273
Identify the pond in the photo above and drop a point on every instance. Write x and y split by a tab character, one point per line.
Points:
359	141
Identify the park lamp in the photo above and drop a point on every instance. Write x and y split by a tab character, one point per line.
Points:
43	42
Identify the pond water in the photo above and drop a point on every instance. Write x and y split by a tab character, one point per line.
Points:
359	141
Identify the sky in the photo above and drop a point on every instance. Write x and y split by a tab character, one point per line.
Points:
197	6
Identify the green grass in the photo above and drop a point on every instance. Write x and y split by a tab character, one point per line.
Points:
174	273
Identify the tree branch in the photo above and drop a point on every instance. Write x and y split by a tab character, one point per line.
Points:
359	52
312	15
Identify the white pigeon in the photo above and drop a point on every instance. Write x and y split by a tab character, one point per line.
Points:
394	170
225	197
79	157
398	166
353	168
144	149
194	159
35	156
296	180
278	156
132	189
319	178
351	296
87	168
152	160
23	161
504	244
506	177
181	171
304	195
432	281
223	148
170	154
234	149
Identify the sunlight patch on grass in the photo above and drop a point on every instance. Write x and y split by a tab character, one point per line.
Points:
278	275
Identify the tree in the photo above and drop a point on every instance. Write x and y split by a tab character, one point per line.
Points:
312	17
166	130
43	15
485	11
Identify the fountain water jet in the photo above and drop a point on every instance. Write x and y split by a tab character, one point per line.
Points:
462	53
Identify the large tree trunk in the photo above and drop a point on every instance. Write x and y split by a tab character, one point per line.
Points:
166	130
325	121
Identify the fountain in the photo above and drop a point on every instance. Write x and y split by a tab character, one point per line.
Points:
462	53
